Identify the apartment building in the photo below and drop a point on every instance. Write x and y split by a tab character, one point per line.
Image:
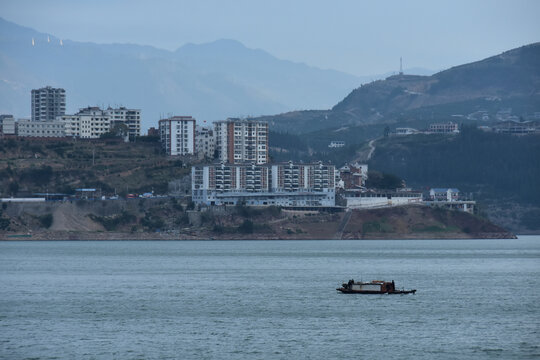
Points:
48	103
9	120
177	135
89	123
241	141
92	122
289	185
129	117
444	128
29	128
353	176
8	125
204	142
302	177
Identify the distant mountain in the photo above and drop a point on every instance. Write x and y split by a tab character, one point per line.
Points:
511	79
209	81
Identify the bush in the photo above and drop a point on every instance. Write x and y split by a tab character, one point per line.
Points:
112	222
183	220
531	219
152	223
42	175
218	229
4	223
46	220
380	180
246	227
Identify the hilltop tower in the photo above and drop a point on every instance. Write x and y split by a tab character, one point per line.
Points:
400	66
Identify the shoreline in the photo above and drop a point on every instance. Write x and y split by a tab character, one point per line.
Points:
126	236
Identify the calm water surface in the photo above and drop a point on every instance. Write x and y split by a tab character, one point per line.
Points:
269	299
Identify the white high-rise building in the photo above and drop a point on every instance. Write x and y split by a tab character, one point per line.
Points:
177	135
241	141
48	103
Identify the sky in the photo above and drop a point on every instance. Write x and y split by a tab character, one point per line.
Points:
357	37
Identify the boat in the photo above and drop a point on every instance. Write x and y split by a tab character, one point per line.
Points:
373	287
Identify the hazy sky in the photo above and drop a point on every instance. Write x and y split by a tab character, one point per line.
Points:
358	37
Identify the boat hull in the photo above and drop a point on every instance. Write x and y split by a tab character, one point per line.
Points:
348	291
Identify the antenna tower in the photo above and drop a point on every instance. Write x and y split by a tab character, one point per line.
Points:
400	66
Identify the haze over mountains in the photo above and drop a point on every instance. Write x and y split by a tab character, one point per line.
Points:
209	81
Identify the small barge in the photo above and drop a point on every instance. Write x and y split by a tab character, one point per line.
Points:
373	287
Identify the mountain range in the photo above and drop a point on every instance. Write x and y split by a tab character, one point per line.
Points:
509	81
209	81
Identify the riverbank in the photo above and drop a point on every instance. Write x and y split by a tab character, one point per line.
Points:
169	219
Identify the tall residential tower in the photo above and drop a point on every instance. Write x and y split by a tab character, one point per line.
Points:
48	103
241	141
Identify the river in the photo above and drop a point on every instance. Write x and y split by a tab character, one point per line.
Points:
269	299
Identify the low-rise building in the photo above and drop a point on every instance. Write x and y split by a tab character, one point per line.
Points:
29	128
443	194
353	176
89	123
375	199
177	135
7	125
336	144
402	131
444	128
129	117
92	122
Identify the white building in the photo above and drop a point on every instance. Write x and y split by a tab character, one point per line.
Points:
48	103
177	135
405	131
88	123
290	185
92	122
9	125
204	142
444	128
444	194
353	176
29	128
379	199
241	140
336	144
129	117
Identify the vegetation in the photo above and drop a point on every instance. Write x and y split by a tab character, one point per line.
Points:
46	220
378	180
4	222
491	165
112	166
111	223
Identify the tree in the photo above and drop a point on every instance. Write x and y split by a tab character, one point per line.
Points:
378	180
117	130
13	188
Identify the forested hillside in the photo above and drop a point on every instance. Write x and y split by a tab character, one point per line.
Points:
502	171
